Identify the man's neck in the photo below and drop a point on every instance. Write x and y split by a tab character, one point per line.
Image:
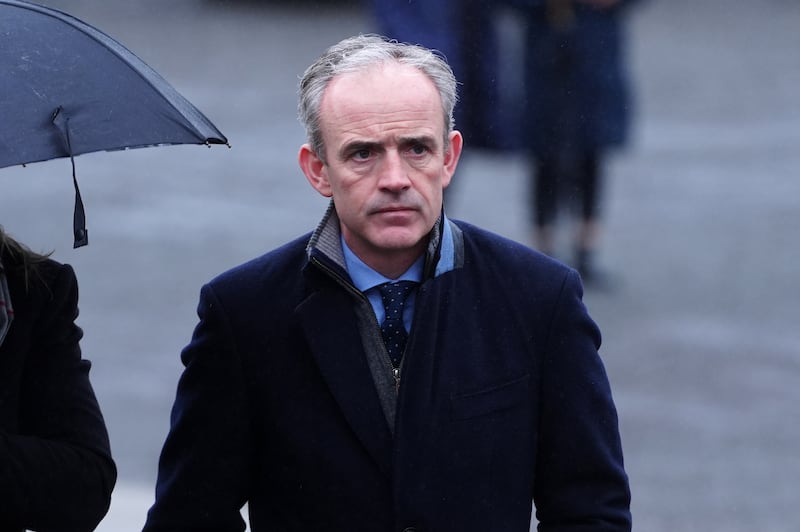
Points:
393	264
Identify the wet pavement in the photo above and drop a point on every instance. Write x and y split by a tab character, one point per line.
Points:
700	334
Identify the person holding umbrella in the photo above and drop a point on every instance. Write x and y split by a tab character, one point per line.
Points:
67	89
56	470
393	369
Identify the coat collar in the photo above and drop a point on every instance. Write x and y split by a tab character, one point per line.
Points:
444	251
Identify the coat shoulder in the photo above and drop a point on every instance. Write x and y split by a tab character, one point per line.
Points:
272	280
42	285
269	267
487	248
505	268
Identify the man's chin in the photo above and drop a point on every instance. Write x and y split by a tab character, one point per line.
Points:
400	239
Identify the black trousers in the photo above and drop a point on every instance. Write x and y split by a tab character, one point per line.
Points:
558	179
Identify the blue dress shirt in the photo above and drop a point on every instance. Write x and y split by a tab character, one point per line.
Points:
367	280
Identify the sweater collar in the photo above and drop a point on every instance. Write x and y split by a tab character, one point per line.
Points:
442	255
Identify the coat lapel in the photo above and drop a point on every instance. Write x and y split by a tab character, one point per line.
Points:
331	331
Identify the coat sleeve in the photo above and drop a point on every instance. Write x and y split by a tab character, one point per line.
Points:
56	471
206	462
581	483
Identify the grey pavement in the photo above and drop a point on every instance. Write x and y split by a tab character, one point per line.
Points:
700	337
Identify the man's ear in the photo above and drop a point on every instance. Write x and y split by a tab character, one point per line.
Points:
451	156
315	170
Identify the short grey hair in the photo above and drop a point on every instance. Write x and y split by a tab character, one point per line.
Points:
358	53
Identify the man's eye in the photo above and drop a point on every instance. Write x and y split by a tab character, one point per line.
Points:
361	154
419	149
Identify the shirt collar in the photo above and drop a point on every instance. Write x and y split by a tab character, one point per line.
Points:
445	247
364	277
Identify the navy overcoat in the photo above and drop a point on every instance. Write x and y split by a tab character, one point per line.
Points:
504	400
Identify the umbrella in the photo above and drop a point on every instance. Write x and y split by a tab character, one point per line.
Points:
66	88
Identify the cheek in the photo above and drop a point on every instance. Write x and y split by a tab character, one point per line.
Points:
349	199
434	183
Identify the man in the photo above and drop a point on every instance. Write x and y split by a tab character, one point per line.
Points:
291	400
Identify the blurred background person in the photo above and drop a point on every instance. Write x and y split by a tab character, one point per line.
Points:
577	108
56	471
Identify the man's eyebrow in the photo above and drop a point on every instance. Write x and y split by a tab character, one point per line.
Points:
426	140
374	146
358	145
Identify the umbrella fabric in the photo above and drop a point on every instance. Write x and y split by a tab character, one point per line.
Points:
66	88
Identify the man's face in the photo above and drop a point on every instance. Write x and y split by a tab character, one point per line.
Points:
386	162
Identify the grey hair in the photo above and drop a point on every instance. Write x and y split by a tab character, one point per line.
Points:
358	53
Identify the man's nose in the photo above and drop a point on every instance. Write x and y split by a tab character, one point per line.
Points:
394	171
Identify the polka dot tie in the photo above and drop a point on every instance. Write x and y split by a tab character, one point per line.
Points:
394	332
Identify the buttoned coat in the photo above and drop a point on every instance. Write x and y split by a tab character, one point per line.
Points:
56	471
503	400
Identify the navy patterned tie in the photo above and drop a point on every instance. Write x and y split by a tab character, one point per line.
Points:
394	332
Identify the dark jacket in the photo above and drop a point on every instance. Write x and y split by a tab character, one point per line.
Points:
503	400
56	471
577	87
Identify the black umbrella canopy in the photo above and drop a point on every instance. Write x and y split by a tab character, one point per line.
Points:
67	88
110	98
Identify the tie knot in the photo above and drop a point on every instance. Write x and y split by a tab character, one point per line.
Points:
394	294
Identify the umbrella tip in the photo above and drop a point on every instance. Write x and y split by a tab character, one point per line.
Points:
225	142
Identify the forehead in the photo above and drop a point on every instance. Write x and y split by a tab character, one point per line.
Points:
384	95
